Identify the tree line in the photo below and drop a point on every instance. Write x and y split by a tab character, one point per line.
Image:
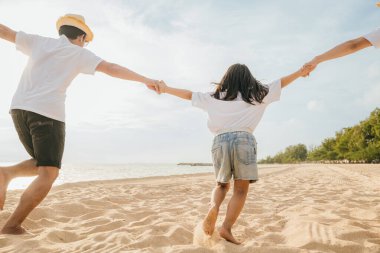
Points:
360	143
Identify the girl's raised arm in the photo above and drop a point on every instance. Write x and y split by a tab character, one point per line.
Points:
286	80
181	93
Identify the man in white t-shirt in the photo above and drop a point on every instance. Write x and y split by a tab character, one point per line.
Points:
346	48
38	106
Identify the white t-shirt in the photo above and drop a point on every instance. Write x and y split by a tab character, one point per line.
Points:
52	65
374	38
236	115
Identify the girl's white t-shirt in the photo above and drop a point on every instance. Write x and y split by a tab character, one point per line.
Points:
236	115
374	38
52	65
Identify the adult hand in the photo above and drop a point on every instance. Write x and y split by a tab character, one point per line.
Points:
162	86
309	67
153	85
306	69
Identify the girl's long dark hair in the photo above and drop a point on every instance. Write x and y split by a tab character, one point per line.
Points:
237	79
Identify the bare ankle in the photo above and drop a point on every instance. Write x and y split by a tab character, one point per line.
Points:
227	227
14	230
215	207
226	233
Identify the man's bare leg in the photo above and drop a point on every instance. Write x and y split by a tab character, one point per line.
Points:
31	197
217	197
234	208
26	168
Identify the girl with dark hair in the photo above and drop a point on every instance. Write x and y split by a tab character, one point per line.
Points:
235	108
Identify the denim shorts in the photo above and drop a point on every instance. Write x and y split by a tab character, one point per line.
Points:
234	156
42	137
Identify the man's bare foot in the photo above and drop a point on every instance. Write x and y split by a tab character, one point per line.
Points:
210	220
13	230
4	181
226	234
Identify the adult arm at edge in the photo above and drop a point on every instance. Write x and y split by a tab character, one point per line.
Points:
7	34
346	48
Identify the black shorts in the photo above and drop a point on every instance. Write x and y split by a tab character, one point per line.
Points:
42	137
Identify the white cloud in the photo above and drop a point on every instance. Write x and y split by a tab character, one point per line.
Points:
373	71
371	97
316	106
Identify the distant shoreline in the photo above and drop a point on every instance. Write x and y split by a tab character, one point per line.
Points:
194	164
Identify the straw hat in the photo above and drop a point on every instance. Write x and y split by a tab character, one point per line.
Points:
76	21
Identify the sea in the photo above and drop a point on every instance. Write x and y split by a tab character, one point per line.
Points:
71	173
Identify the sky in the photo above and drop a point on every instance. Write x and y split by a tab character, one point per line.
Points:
190	44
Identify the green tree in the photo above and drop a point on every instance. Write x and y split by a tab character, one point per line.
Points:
357	143
292	154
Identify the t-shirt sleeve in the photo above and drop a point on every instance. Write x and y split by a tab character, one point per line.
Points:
201	100
25	43
274	93
374	38
89	62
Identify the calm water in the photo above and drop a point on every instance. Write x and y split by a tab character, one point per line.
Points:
86	172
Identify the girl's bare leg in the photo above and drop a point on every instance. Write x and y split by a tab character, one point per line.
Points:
217	197
234	208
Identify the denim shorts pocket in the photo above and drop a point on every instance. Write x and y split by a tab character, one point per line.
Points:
217	156
246	152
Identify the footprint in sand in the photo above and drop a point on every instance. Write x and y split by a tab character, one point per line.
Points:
363	214
63	237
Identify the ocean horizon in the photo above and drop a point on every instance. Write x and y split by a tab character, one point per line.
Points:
72	173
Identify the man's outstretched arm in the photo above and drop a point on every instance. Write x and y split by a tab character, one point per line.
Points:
7	34
121	72
346	48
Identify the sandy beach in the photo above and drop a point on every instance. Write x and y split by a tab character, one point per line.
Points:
292	208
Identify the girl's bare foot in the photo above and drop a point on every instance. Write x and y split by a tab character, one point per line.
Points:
18	230
4	180
226	234
210	220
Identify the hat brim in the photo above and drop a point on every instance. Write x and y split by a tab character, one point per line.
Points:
74	22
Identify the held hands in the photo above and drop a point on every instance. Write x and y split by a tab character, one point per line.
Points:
305	70
309	67
152	85
156	85
162	87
